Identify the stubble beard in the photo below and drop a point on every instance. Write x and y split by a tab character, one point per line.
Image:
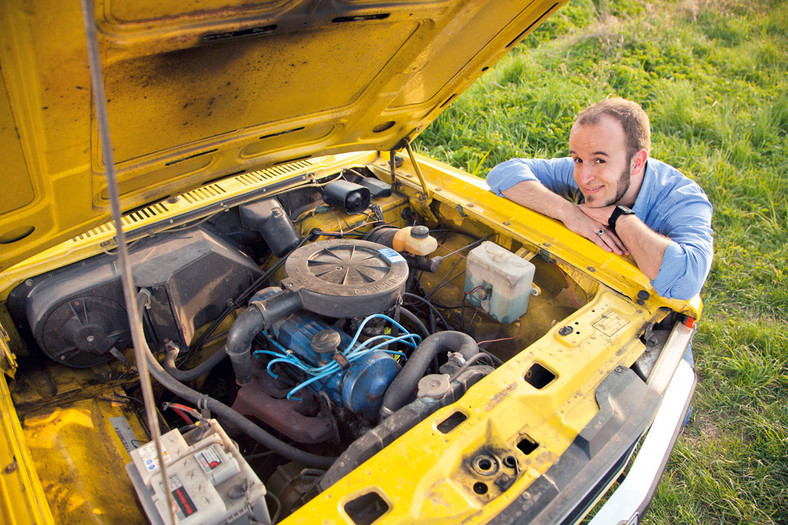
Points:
624	181
622	186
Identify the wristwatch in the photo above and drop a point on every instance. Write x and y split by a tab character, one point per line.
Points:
618	212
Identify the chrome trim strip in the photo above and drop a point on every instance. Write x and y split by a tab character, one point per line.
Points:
634	494
670	357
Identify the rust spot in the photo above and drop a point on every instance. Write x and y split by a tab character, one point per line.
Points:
11	467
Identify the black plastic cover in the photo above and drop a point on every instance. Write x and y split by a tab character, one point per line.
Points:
377	188
77	314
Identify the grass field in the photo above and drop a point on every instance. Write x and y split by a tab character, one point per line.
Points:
713	75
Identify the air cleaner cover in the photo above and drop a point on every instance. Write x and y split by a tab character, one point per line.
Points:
346	278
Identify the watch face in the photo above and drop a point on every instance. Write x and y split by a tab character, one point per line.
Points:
617	212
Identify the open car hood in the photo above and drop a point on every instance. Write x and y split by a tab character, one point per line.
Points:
197	92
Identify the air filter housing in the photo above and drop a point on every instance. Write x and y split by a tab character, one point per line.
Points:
346	277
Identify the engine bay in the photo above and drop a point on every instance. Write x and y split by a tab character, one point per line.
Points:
348	314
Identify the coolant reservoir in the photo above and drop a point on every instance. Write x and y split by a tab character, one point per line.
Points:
498	281
415	239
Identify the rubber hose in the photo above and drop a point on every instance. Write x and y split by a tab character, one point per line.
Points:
192	373
259	316
402	388
416	321
239	343
408	295
385	433
422	331
227	413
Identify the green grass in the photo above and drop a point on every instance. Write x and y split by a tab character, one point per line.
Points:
713	75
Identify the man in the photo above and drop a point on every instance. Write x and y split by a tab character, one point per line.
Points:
627	203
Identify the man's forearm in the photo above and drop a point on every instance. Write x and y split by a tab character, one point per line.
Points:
645	246
642	243
534	196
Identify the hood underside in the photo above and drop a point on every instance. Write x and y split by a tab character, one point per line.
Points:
201	90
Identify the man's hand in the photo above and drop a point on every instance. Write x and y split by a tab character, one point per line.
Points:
533	195
600	215
591	223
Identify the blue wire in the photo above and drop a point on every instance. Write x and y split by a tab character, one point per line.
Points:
353	357
331	372
352	352
390	338
365	321
274	341
309	381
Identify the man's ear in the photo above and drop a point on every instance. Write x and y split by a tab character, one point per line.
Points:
639	162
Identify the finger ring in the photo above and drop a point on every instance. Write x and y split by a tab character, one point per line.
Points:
600	232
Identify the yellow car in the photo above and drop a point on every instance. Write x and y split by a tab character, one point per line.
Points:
185	182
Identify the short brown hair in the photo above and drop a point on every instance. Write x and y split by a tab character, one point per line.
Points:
633	118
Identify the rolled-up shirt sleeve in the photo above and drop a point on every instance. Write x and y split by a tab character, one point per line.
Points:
688	258
555	174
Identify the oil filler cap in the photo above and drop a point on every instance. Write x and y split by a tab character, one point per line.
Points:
325	341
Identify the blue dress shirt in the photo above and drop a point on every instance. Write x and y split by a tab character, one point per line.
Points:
668	202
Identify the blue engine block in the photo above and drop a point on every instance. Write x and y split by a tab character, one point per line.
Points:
353	377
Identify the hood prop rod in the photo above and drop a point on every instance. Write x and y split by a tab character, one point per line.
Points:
426	193
138	337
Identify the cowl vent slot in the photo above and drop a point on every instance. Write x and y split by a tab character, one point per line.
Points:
203	194
255	177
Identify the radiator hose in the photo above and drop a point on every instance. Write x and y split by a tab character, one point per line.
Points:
402	389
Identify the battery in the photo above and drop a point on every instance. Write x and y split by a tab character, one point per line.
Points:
210	482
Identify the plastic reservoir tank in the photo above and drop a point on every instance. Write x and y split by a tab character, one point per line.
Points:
498	281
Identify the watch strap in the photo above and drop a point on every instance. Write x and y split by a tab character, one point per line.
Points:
618	212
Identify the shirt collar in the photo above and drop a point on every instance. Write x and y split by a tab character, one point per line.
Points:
645	195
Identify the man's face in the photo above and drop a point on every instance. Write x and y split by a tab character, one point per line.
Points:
602	170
